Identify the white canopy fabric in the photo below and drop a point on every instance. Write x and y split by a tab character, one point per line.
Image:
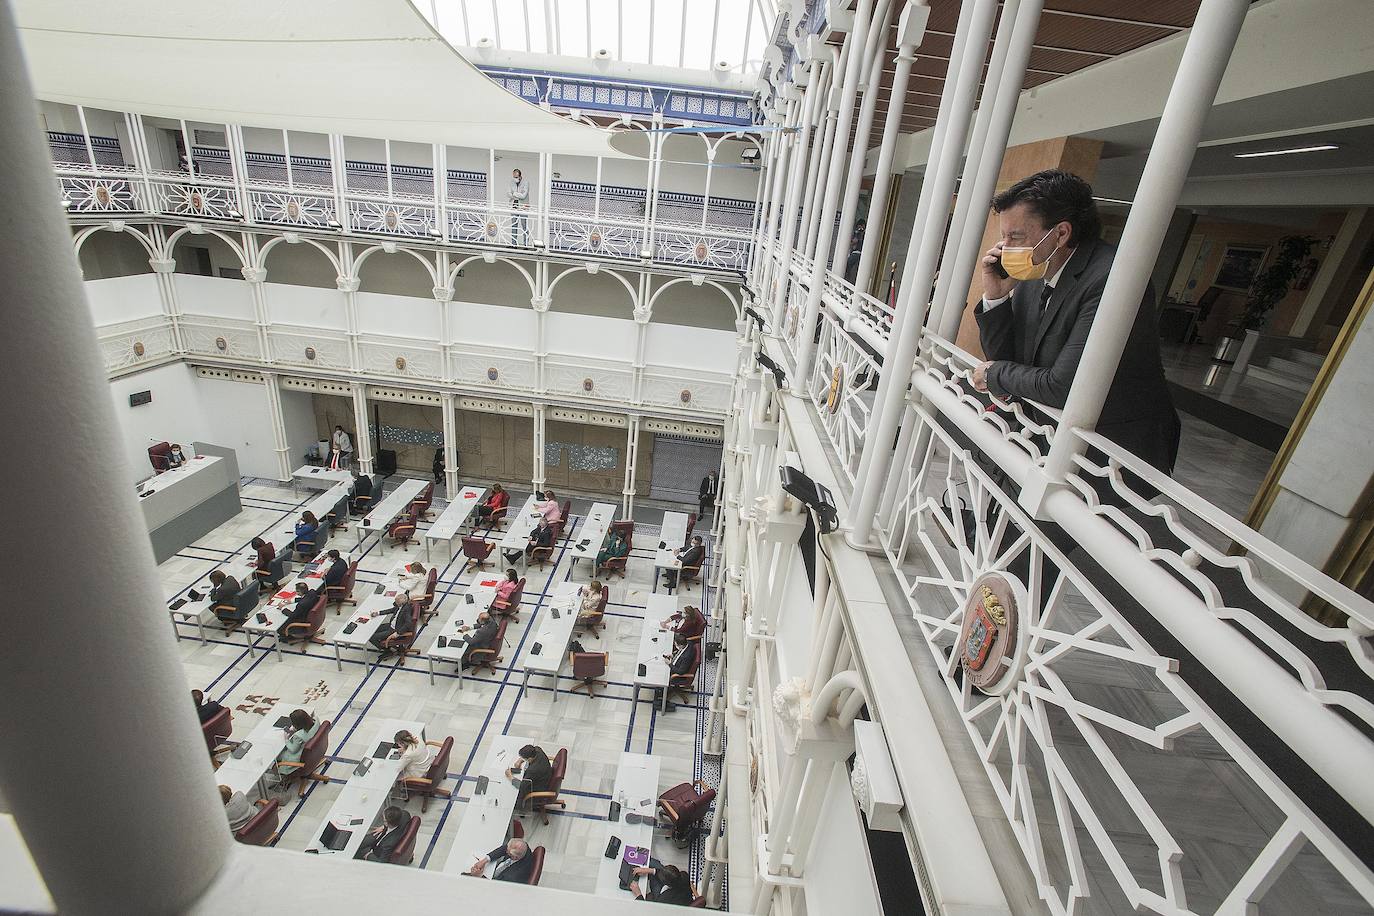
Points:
362	68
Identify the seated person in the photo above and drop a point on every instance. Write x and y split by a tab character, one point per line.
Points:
237	808
224	588
483	636
549	507
541	536
302	728
506	590
683	660
691	556
414	581
337	571
415	755
689	622
403	615
265	554
306	530
496	500
176	459
361	492
662	884
616	548
591	600
534	770
382	840
511	862
300	611
206	709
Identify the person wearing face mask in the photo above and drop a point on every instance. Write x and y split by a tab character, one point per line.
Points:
519	200
175	459
1042	284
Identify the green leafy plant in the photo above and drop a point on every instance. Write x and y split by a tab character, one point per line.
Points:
1272	284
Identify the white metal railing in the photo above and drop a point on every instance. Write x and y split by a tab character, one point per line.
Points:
844	380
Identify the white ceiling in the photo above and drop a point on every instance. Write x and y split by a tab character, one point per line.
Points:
364	68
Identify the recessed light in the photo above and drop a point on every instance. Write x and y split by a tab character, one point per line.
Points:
1114	200
1285	152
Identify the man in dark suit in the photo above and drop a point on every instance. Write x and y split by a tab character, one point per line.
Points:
706	494
691	556
534	770
1034	323
338	569
403	619
541	536
361	493
511	862
483	637
305	600
206	709
382	840
224	588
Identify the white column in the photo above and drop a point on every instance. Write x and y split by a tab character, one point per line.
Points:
815	181
956	109
272	385
788	218
642	317
256	278
362	439
823	115
349	287
882	177
338	170
627	500
448	402
238	165
75	766
541	347
1210	43
874	57
443	296
537	478
806	346
165	271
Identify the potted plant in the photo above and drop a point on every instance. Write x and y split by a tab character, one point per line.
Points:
1266	291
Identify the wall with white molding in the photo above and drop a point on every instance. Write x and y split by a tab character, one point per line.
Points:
116	299
174	415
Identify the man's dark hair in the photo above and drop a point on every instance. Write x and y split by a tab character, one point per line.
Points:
527	752
394	815
1056	197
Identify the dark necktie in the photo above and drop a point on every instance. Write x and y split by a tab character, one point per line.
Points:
1045	292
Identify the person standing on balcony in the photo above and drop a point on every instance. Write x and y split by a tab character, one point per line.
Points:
706	494
1042	284
519	200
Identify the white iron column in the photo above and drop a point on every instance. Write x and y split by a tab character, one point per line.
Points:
806	346
537	477
164	269
910	29
815	185
642	317
1210	43
763	240
238	167
338	170
272	384
927	237
627	501
874	57
540	304
362	439
256	278
788	220
349	287
448	402
822	116
443	295
73	678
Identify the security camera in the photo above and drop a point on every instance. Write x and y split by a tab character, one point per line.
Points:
812	495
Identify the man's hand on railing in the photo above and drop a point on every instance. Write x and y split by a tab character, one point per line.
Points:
980	376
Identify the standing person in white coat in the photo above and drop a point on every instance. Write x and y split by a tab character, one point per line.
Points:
519	200
340	449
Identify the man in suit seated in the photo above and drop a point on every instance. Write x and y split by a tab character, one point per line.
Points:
403	614
683	661
691	556
305	600
511	862
224	588
541	536
206	709
361	493
482	637
338	569
382	840
533	769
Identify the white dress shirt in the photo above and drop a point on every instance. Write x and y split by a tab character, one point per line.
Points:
414	761
1051	282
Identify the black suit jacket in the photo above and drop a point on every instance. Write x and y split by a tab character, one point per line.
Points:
379	849
692	556
362	486
684	660
481	638
538	771
542	537
337	570
226	592
517	871
1037	358
708	488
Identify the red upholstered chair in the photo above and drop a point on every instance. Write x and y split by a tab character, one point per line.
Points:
487	658
588	668
537	857
540	802
402	531
687	575
404	853
686	805
498	517
431	784
426	604
338	594
698	903
420	504
160	456
312	759
567	511
625	527
510	608
617	564
217	730
681	684
262	829
305	630
691	525
597	618
517	830
477	550
338	516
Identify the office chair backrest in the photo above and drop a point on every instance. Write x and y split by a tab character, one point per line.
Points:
428	601
314	750
262	827
218	727
625	528
537	866
160	456
605	598
438	767
349	578
340	510
518	594
567	511
691	525
405	850
588	665
559	769
247	598
315	617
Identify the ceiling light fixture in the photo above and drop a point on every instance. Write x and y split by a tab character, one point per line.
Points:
1285	152
1114	200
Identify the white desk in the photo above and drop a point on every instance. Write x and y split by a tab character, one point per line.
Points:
654	643
453	518
483	592
553	635
486	820
674	536
365	796
518	530
636	789
592	534
158	511
392	505
363	614
320	478
276	609
245	774
188	502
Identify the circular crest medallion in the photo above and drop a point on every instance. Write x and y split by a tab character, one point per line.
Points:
221	344
685	396
197	202
138	348
587	384
991	649
400	363
492	229
492	373
391	220
699	251
293	210
595	238
310	353
102	195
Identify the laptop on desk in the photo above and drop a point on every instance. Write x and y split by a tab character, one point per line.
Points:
384	748
334	838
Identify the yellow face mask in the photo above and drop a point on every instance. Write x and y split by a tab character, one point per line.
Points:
1019	263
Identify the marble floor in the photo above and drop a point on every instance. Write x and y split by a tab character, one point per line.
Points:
1192	367
595	730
